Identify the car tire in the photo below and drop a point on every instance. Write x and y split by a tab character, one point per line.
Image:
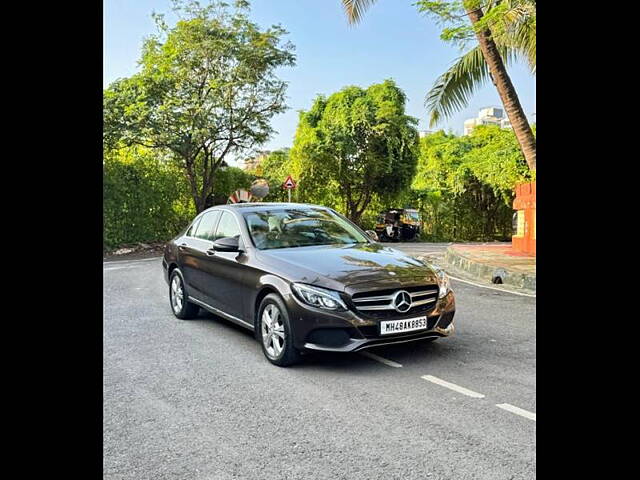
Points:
409	235
274	332
180	306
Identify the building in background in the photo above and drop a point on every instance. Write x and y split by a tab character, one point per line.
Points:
469	125
253	162
486	116
424	133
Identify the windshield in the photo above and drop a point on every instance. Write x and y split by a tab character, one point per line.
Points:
300	227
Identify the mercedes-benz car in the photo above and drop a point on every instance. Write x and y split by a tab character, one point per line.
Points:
303	277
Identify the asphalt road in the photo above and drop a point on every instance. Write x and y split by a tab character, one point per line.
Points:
198	400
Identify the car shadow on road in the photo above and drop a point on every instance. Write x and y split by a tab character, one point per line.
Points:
411	354
207	316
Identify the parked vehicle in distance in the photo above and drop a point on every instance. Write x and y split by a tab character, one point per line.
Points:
303	277
399	225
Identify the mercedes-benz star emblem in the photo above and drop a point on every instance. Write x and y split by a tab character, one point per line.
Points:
402	301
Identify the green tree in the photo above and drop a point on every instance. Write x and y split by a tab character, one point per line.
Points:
207	89
355	145
504	30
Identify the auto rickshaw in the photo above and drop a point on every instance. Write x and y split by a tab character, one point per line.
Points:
399	225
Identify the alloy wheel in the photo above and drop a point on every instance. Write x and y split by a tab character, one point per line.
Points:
272	327
177	294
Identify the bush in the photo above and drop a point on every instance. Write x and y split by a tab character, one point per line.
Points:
145	199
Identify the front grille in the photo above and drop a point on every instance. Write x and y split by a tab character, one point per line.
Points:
380	303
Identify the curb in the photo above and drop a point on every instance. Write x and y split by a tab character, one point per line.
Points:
487	273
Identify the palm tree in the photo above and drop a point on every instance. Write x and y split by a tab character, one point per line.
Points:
515	36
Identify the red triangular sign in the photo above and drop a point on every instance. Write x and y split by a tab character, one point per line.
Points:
289	183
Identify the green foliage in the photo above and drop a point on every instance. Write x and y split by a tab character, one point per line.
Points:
207	89
515	19
274	169
453	89
228	180
464	185
353	146
145	199
513	27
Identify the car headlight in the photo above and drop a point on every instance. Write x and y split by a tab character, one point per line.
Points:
444	284
319	297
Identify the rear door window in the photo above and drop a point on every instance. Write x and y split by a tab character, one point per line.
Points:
204	230
192	229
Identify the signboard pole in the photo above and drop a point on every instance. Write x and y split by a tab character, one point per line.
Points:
289	184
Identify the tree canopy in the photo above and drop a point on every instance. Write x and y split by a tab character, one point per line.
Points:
464	184
504	30
355	145
207	89
513	28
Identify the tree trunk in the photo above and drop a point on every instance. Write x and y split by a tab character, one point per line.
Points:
352	211
506	90
200	203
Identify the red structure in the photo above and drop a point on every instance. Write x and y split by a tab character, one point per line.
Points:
525	203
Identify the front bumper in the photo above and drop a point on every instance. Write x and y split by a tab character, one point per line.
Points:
356	344
354	333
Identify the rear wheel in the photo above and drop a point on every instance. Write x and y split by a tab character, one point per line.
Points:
180	306
275	332
408	234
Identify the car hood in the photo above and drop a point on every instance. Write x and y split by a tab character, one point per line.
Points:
339	266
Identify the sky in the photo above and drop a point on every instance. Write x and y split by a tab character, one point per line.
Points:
393	41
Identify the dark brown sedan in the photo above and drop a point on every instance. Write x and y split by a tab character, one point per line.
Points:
303	277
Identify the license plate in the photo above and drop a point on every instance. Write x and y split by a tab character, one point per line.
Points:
400	326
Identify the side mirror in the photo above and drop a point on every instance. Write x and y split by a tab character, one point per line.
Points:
227	244
372	235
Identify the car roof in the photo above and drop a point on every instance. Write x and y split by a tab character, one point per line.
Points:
257	206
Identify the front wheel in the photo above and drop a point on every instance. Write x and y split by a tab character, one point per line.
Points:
275	332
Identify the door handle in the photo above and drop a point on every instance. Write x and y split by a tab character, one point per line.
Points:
210	252
182	246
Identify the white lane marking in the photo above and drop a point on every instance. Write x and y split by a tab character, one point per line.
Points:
491	288
118	268
452	386
129	262
119	264
517	411
377	358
